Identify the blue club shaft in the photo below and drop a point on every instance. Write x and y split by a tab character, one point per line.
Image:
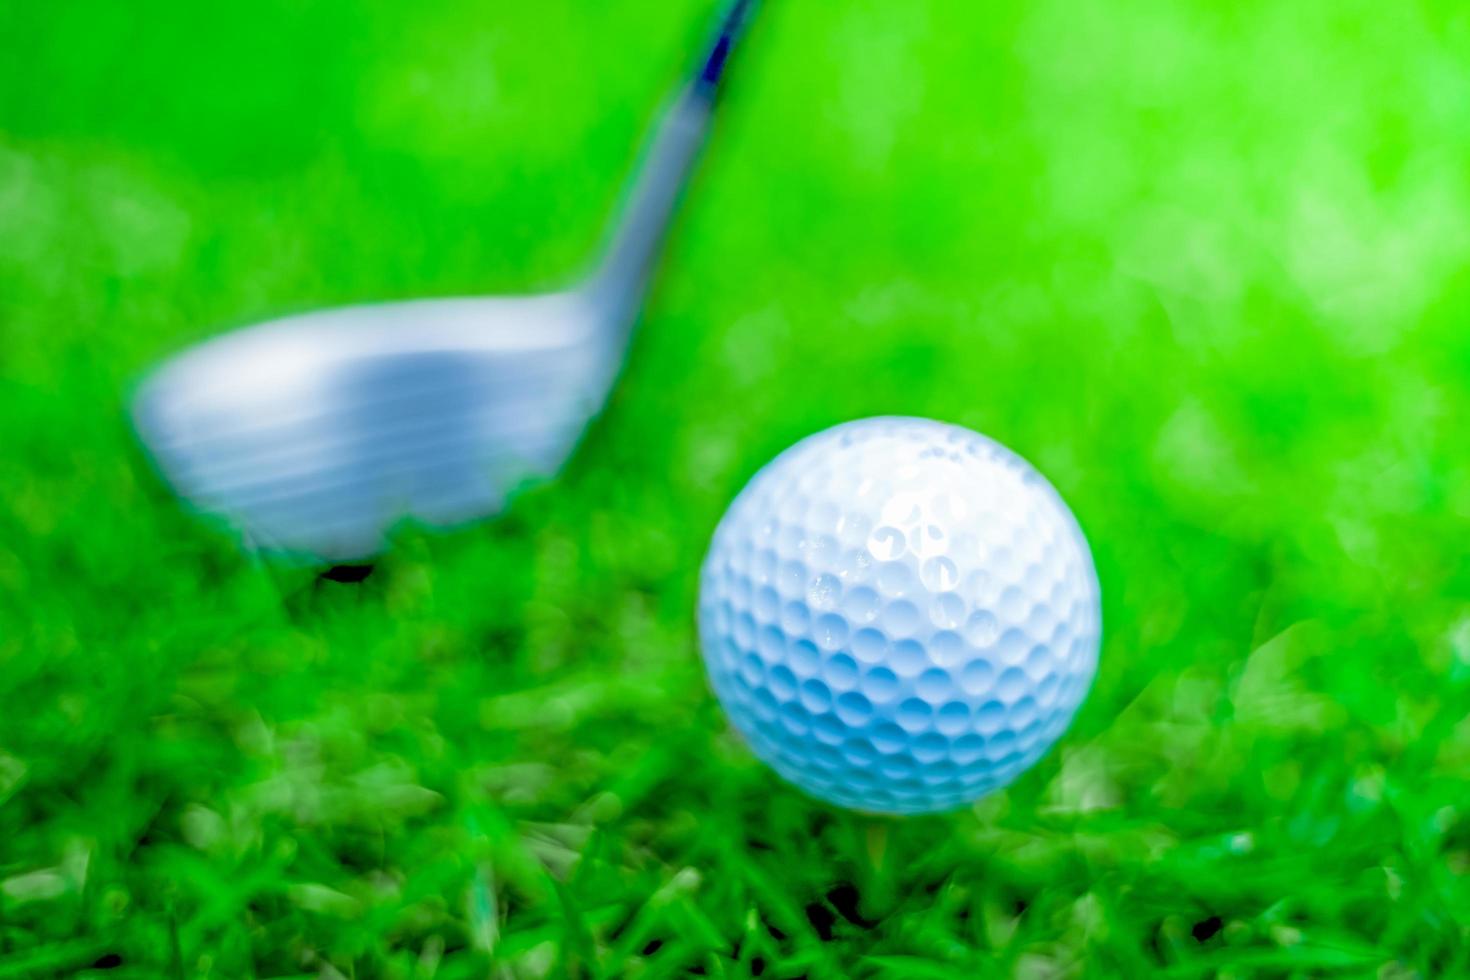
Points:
627	264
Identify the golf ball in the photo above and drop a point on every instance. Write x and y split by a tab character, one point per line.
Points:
899	615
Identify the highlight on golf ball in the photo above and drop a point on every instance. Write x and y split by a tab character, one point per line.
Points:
899	615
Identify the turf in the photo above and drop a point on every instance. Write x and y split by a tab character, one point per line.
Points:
1205	265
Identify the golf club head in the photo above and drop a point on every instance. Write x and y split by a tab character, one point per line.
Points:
314	435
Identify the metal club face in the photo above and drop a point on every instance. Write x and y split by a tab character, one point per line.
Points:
314	434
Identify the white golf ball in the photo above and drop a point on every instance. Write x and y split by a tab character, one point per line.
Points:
899	615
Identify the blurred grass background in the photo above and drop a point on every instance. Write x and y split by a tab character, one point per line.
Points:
1205	266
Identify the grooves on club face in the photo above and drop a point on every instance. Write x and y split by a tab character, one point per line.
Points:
314	434
376	421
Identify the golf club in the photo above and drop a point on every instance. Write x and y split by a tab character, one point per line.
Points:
315	434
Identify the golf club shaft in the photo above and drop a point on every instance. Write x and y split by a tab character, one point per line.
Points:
620	279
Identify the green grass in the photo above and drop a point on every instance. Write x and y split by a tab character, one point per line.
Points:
1204	265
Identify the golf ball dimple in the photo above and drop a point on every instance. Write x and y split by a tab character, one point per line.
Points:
899	615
